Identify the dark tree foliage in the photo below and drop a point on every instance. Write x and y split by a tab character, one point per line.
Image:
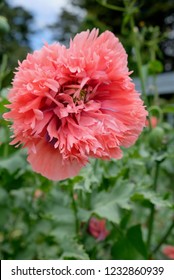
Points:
67	23
15	43
151	13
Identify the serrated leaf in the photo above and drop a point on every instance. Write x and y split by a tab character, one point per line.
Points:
107	204
72	250
60	213
64	221
152	197
63	230
87	178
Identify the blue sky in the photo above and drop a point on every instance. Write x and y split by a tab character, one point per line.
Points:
45	12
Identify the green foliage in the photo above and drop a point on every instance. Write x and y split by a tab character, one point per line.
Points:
40	219
17	24
108	204
156	138
155	66
131	246
150	18
169	108
38	215
4	26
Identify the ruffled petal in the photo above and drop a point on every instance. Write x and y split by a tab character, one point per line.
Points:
48	161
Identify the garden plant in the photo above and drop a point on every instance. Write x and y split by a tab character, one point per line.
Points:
86	161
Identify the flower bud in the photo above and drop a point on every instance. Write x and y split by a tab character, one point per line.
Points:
156	138
4	26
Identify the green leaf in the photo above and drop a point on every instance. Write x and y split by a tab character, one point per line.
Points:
4	216
155	66
152	197
131	246
72	250
108	204
3	196
64	221
83	214
60	213
134	236
87	177
123	250
63	230
13	163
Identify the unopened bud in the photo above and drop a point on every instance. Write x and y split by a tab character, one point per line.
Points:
4	26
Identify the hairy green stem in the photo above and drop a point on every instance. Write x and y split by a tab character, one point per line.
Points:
152	211
138	58
110	6
74	206
164	238
118	229
5	152
153	58
3	68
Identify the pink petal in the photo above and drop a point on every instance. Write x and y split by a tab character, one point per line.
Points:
48	162
52	84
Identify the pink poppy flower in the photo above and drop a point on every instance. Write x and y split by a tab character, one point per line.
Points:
169	251
97	228
70	104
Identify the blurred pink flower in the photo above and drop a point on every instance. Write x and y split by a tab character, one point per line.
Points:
169	251
69	104
153	121
38	194
97	228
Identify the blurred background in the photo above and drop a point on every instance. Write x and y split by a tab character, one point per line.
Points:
31	23
37	219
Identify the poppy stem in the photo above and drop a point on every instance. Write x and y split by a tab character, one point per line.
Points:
163	239
5	153
138	58
74	206
152	212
